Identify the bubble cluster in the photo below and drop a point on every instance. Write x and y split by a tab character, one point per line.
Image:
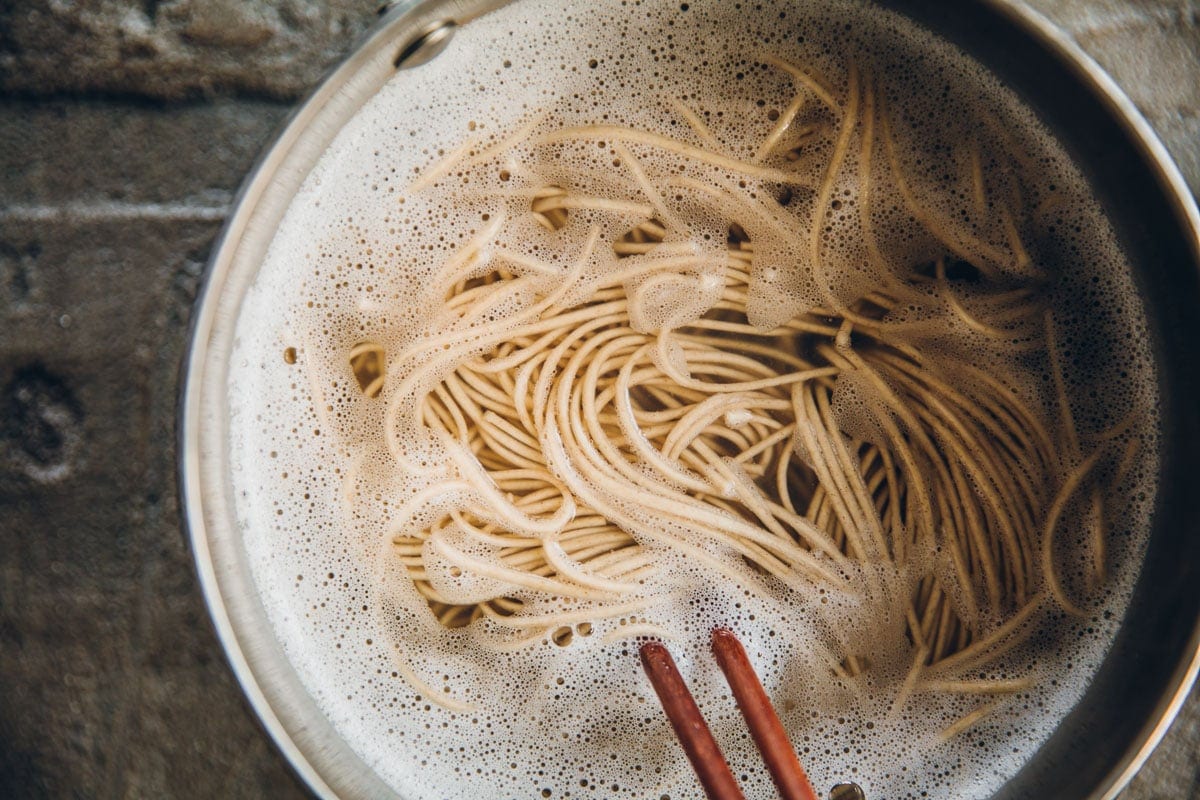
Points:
378	222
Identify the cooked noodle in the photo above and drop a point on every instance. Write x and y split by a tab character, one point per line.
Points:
595	412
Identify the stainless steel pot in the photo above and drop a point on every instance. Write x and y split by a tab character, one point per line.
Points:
1156	655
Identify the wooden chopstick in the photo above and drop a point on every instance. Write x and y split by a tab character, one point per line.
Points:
764	724
691	729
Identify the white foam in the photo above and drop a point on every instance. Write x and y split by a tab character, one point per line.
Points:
353	260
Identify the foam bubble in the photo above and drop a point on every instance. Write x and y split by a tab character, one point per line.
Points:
319	489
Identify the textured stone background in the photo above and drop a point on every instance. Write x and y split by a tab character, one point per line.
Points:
125	128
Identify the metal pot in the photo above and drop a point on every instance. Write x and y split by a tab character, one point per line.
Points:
1156	654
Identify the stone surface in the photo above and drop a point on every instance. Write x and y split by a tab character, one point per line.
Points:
1152	49
174	48
112	683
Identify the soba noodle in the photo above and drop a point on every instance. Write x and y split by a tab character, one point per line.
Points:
638	395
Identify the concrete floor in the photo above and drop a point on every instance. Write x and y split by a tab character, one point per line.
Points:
125	129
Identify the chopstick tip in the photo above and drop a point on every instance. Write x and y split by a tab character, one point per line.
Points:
653	650
725	641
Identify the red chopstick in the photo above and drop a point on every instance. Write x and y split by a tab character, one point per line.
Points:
693	733
764	724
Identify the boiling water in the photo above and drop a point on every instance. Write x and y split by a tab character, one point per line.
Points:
318	492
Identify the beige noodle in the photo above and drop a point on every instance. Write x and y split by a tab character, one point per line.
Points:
589	434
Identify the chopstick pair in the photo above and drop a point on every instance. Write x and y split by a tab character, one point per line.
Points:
697	740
